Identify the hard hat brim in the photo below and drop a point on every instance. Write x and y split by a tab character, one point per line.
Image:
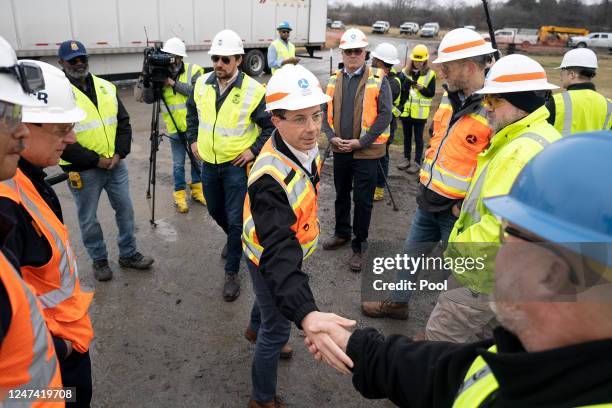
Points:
301	102
42	115
515	87
385	60
11	92
419	59
180	54
466	54
350	46
226	52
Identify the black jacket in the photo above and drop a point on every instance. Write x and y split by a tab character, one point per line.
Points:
428	374
281	261
23	240
81	158
262	118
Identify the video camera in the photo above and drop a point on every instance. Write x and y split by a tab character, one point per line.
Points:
156	67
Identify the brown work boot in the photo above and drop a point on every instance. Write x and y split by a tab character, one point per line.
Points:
355	262
286	351
277	402
385	308
404	164
335	242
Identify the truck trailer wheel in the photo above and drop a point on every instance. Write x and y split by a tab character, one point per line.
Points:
581	45
254	63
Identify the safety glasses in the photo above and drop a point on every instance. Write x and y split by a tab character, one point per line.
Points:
10	117
301	120
217	58
57	129
78	60
28	74
353	51
493	101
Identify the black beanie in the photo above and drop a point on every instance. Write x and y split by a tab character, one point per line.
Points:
528	101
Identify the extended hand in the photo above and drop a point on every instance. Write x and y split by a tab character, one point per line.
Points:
325	331
243	158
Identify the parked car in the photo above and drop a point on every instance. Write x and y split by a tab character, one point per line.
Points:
470	27
409	28
381	27
517	36
337	25
593	40
430	30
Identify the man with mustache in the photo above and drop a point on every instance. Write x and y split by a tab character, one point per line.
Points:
27	354
40	239
95	162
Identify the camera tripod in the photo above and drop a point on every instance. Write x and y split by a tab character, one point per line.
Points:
155	139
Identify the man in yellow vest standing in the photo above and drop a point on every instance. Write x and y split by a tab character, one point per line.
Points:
580	108
175	92
27	355
281	227
40	240
95	162
553	297
282	51
358	128
227	125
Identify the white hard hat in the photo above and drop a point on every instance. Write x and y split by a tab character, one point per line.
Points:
462	43
515	73
10	88
386	53
226	42
293	87
175	46
579	57
353	38
59	103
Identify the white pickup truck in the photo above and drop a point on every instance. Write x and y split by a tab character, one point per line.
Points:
593	40
518	36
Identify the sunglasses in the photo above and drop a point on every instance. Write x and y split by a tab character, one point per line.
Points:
10	117
493	101
216	58
78	60
57	129
353	51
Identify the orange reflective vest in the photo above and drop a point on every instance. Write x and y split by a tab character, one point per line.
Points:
27	355
56	284
369	113
302	195
450	159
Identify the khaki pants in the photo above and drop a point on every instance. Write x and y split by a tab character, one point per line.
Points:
460	316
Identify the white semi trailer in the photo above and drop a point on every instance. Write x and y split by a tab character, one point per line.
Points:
114	30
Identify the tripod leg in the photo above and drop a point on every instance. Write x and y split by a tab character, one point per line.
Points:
388	187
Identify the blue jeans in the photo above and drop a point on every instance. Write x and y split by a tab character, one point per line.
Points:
273	331
427	230
178	164
116	184
225	188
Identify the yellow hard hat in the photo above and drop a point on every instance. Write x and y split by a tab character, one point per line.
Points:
419	53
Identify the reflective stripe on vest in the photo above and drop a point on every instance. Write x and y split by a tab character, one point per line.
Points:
27	355
418	106
177	102
225	134
370	103
283	51
581	110
301	195
449	165
469	205
98	130
480	385
55	283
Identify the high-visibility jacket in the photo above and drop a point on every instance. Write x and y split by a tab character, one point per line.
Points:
55	284
450	159
223	135
480	384
302	195
418	106
283	51
177	103
582	110
395	77
476	232
27	355
369	114
98	130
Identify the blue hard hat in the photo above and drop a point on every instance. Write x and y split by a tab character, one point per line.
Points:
284	26
71	49
564	194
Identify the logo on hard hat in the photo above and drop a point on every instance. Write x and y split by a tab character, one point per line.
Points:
353	36
220	41
303	83
74	46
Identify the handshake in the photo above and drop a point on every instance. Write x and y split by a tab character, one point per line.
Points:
327	339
